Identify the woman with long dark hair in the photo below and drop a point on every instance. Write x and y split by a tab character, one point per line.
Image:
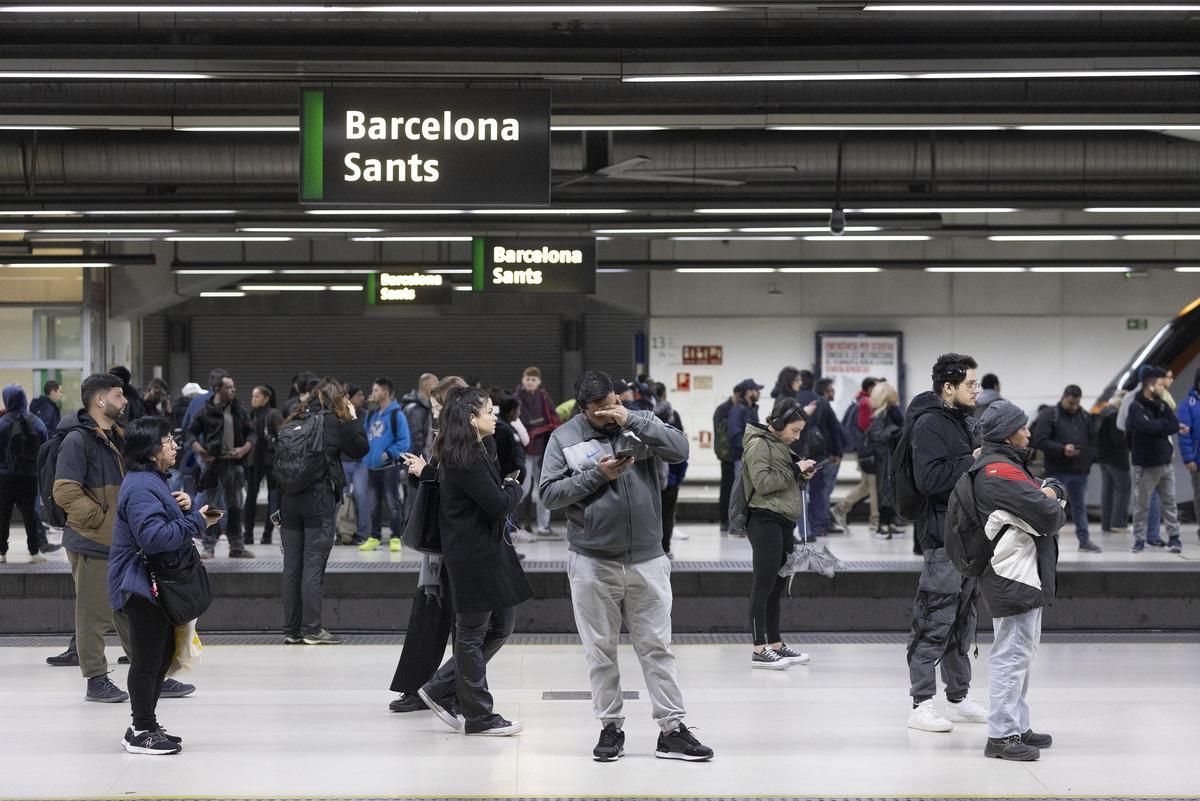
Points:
151	520
308	513
787	385
486	579
267	421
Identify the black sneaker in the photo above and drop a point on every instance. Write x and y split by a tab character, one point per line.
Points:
408	703
1010	748
160	730
322	637
1038	741
497	728
172	688
101	690
611	746
68	658
1174	545
1090	547
153	743
1156	542
682	744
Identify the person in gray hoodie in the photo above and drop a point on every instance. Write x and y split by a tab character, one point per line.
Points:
602	467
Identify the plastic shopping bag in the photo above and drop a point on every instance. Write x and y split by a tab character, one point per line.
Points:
188	649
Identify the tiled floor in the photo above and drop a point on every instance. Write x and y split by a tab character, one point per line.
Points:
271	721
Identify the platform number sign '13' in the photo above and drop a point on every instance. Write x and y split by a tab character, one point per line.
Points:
425	147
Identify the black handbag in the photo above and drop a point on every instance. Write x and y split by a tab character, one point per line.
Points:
183	591
422	532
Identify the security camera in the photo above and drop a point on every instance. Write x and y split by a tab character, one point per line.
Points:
837	221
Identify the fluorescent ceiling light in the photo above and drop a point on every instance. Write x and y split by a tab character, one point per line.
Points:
830	269
1142	127
44	265
1082	269
1187	269
282	287
1052	238
869	238
608	127
1161	237
455	271
762	77
37	128
867	127
239	128
1144	209
100	238
229	239
224	272
223	294
345	287
936	210
613	270
1059	7
13	231
108	230
309	230
39	213
330	8
98	76
719	238
1030	74
333	271
410	239
462	288
152	212
728	270
636	231
379	212
974	269
900	76
549	211
775	210
807	229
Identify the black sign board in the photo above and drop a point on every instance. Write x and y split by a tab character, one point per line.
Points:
528	264
425	147
407	289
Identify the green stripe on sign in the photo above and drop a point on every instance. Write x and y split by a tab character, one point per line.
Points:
372	288
477	282
312	125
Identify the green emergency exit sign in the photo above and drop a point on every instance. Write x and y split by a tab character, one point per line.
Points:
1137	324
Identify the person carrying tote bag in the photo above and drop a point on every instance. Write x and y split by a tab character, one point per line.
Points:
152	534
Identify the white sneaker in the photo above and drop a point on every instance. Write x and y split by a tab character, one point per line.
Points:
926	718
766	659
967	711
521	535
37	559
679	534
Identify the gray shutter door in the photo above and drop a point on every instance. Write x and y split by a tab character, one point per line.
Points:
608	343
271	350
154	348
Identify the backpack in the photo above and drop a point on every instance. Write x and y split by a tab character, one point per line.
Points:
300	453
21	454
721	447
47	466
739	505
852	435
910	503
967	545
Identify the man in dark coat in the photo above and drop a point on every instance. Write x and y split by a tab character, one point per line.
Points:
1066	435
944	614
222	437
1150	426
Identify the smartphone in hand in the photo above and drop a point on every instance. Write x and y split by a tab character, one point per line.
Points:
514	475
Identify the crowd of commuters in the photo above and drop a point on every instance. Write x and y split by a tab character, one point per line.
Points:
135	479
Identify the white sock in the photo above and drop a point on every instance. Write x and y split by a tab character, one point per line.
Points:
139	732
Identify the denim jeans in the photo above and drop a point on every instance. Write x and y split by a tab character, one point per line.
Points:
384	486
1154	522
356	480
1009	665
1077	502
230	495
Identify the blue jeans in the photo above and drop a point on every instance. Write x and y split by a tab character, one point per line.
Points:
356	479
817	504
384	485
1077	502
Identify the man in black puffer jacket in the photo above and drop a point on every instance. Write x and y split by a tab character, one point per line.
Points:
1021	516
1066	435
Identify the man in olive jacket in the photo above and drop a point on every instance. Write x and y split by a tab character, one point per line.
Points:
602	467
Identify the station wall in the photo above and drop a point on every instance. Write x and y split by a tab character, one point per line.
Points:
1037	332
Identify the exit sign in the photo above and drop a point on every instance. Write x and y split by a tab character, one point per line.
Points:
1136	324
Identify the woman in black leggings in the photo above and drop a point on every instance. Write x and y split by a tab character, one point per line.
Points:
772	480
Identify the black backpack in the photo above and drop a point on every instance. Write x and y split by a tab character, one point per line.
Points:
910	503
21	454
967	545
47	466
721	447
300	453
852	435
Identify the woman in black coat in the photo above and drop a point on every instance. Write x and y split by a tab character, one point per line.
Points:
267	421
486	579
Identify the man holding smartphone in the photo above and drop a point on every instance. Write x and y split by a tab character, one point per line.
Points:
602	467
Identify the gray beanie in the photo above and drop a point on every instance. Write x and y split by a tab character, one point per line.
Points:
1001	420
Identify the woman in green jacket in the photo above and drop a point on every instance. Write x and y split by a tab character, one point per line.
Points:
773	481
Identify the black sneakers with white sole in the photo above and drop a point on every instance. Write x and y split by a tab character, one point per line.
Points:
154	742
682	744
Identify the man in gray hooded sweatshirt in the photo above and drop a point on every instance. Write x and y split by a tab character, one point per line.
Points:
602	467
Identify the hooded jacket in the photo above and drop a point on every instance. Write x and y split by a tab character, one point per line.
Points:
15	407
771	480
87	481
618	520
1150	426
387	436
1055	429
1023	522
742	415
1189	415
942	442
48	412
419	414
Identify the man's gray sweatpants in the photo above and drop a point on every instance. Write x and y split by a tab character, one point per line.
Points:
1145	481
1009	666
605	592
943	627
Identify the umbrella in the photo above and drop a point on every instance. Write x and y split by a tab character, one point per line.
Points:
808	556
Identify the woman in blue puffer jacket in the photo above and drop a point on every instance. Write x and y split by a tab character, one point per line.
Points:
154	520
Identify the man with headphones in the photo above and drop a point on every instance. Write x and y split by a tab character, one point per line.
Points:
939	428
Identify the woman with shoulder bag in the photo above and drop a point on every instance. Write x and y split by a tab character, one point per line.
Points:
486	579
154	527
308	503
773	480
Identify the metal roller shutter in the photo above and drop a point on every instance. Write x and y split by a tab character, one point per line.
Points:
273	349
154	347
608	343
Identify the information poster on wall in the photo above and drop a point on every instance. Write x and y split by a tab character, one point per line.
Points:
849	357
